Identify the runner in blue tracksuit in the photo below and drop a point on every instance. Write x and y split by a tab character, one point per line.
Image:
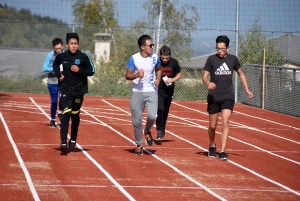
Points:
53	84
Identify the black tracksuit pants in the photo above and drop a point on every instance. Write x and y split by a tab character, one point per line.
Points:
71	104
164	103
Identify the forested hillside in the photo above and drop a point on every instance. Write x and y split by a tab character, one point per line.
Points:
22	29
10	13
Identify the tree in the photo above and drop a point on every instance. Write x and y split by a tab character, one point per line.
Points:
96	12
100	16
176	27
34	32
252	45
91	13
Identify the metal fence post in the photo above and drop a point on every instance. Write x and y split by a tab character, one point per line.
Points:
279	88
294	91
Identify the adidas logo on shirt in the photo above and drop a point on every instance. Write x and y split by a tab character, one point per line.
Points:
223	70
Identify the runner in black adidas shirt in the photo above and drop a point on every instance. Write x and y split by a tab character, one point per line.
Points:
170	73
76	67
221	92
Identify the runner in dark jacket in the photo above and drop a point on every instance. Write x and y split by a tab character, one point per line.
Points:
76	67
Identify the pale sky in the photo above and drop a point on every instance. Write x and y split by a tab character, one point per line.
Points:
216	16
274	15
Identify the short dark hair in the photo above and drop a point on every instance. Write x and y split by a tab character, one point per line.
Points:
142	40
223	39
72	35
165	50
57	41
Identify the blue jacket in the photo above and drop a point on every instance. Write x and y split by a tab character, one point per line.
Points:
48	67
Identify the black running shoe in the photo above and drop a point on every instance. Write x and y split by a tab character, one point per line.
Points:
223	156
212	152
163	134
159	135
52	124
63	145
72	143
138	150
148	138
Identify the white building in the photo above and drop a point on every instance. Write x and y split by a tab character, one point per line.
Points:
102	46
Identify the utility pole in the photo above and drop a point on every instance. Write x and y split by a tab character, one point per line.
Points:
159	25
236	48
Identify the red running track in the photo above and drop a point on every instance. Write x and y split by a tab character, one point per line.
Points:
263	152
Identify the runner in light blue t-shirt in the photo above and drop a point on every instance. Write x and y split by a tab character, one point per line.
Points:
144	70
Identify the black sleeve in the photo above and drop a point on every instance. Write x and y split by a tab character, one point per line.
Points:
208	64
56	64
88	67
237	64
177	68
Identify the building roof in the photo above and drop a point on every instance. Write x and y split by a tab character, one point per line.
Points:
18	62
22	62
196	62
289	45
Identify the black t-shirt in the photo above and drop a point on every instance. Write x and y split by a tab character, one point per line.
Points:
221	71
170	69
74	81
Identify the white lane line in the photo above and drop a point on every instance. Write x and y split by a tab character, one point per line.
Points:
274	122
244	126
238	165
266	151
155	187
84	114
258	130
158	158
247	169
130	122
94	162
166	148
19	110
22	164
106	173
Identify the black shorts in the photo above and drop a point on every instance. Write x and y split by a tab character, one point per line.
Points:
214	107
71	101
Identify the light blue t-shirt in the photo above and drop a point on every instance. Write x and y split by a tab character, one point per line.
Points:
148	64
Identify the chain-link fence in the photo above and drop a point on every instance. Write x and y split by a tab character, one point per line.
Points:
24	46
278	89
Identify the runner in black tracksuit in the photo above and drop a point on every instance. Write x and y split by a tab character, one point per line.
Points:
170	72
76	67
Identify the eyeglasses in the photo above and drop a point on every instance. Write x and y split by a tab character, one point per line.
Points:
56	49
151	45
222	49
